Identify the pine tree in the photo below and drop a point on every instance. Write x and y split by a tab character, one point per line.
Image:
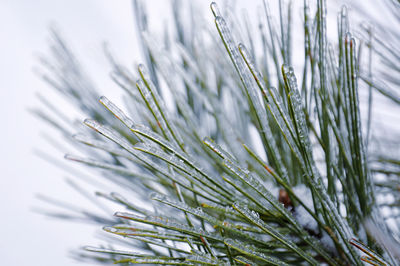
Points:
244	162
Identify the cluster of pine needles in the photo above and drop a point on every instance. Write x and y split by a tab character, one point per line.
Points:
244	159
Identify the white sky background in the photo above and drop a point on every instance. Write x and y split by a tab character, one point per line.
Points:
27	238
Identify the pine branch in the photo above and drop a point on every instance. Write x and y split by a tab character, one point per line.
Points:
214	190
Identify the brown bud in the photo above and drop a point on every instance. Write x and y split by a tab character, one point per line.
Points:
284	198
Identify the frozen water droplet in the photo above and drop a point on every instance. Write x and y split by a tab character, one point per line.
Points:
215	9
110	229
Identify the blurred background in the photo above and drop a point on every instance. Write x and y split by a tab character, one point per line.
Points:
27	237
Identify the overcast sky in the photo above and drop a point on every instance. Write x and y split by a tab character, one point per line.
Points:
27	238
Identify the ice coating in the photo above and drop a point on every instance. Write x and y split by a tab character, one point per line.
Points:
111	251
254	218
215	9
170	224
116	111
244	249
